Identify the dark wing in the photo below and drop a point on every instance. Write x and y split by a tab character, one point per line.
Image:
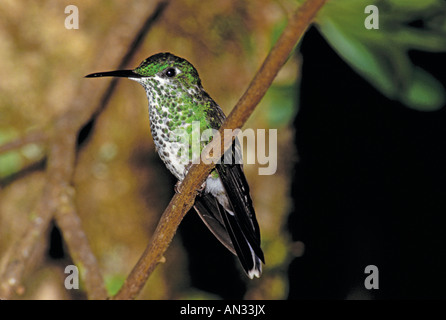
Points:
210	211
236	227
207	206
244	219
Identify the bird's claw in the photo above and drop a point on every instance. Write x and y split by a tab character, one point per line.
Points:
178	187
202	187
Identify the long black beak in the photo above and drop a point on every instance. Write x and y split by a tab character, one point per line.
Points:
117	73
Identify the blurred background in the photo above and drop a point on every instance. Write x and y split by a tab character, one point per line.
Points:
361	130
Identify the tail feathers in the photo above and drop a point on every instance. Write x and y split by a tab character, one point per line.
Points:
247	255
208	210
227	229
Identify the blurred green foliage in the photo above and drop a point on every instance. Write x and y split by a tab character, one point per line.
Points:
10	162
113	283
381	55
281	101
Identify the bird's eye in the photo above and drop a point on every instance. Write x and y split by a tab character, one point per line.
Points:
171	72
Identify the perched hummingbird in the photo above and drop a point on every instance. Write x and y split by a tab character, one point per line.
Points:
176	100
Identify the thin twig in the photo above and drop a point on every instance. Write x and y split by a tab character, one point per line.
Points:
31	137
22	250
77	243
182	202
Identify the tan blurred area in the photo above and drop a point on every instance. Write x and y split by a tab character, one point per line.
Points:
121	187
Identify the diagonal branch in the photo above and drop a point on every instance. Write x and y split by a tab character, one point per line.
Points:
182	202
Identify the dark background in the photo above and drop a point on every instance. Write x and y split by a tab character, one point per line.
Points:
369	189
370	185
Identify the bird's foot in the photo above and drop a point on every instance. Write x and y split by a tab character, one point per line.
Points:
201	189
177	187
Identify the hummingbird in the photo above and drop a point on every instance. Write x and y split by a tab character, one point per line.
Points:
177	100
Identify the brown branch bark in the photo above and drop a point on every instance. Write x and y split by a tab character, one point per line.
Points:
57	196
31	137
182	202
77	243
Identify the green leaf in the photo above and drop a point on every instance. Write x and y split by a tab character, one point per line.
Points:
380	55
114	283
10	162
281	101
413	4
424	93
